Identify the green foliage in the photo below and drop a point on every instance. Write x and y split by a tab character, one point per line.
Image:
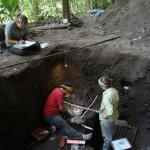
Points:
8	9
30	8
44	9
50	9
104	3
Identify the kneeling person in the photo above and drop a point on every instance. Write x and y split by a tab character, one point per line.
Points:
53	107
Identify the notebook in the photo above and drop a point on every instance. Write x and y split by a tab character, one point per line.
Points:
25	45
121	144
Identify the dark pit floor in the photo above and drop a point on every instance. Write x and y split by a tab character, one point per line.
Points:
46	145
53	145
93	144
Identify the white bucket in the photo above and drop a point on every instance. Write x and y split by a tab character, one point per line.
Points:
65	21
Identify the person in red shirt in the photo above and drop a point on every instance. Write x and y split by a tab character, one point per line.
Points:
52	112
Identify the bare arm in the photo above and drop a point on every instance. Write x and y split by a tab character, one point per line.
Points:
104	115
61	108
28	36
11	41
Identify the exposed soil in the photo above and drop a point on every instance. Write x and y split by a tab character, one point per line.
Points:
127	60
130	16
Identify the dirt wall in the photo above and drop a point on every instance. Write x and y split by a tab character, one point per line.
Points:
126	69
127	16
24	89
23	93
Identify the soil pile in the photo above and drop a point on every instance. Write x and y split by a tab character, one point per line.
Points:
127	16
122	59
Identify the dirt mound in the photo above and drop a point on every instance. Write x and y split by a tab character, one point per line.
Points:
126	16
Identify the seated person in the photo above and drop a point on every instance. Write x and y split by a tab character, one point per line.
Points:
53	108
16	33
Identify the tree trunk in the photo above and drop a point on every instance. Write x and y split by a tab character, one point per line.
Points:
66	9
96	4
35	7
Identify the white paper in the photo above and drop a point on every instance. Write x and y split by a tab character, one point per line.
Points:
121	144
26	44
43	45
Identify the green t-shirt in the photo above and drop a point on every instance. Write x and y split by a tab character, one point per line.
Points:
109	104
13	32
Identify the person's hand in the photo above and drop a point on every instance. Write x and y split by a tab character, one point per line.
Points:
103	115
21	42
44	133
77	120
29	37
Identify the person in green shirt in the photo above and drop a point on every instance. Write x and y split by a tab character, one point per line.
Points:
108	112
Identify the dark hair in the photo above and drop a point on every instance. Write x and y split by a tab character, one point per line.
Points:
22	18
106	81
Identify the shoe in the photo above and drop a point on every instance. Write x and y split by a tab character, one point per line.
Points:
87	136
52	129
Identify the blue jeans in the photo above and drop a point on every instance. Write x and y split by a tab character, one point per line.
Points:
107	129
63	126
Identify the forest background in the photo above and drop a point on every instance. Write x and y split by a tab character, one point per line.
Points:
46	9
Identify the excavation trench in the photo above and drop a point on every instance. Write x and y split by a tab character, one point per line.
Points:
25	87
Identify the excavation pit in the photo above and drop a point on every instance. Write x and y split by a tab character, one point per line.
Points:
25	87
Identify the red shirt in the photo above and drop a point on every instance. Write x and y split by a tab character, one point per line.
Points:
53	101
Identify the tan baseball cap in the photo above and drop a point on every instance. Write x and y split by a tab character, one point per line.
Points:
68	86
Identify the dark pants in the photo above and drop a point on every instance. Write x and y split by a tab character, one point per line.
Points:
2	44
63	126
24	51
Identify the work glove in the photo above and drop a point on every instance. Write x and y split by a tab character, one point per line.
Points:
77	120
